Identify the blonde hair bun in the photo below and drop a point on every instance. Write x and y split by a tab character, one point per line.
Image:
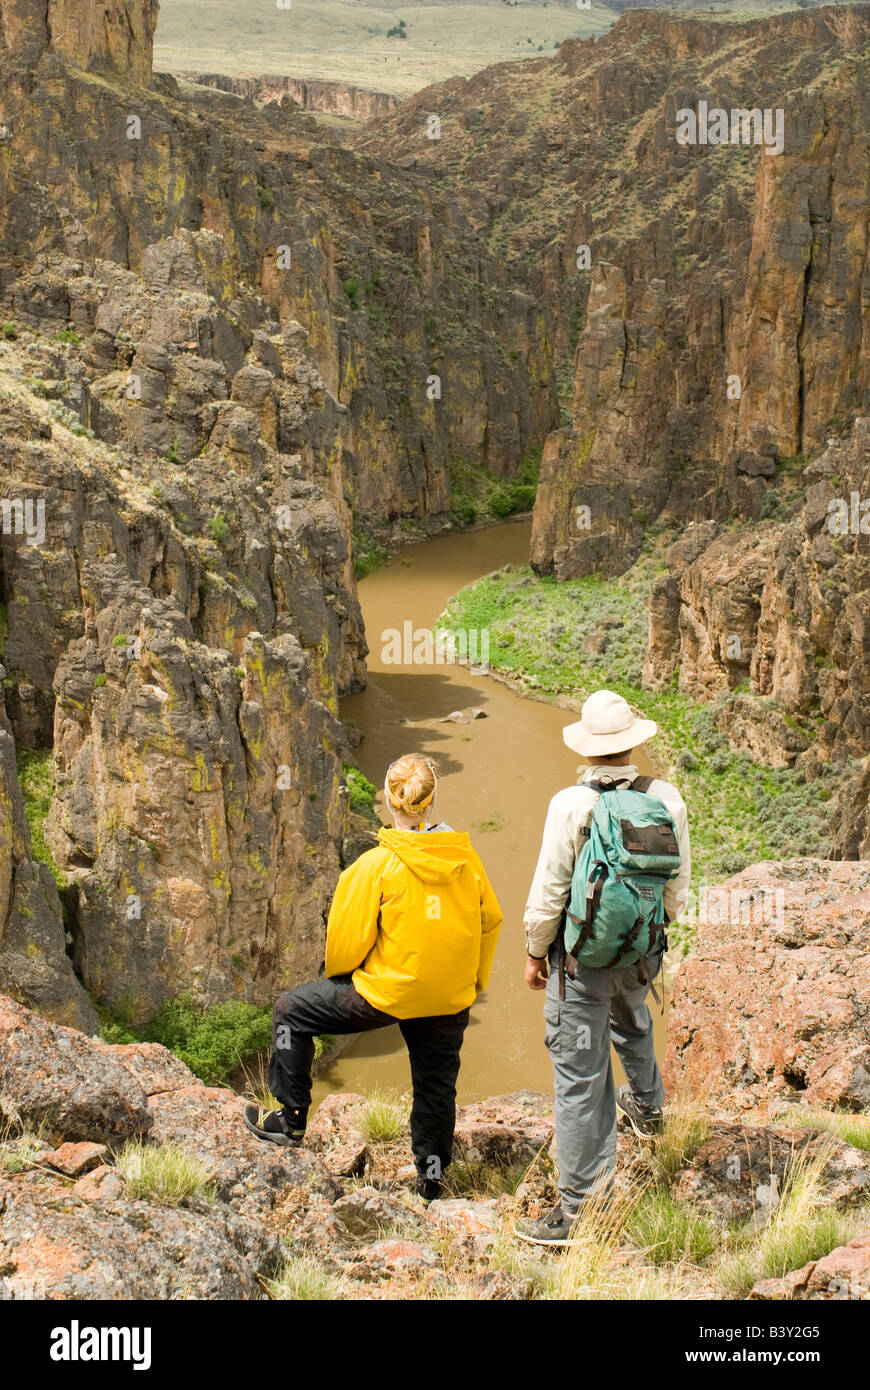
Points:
410	784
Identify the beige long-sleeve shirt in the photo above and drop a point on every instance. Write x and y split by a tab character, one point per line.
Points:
569	814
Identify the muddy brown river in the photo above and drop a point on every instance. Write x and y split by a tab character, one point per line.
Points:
499	770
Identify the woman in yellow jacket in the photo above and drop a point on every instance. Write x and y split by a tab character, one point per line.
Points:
411	937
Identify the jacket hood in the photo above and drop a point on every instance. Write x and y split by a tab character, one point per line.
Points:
434	856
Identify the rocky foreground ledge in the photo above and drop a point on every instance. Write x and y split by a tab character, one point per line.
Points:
769	1040
773	1004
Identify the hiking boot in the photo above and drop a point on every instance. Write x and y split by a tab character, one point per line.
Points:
644	1122
553	1229
285	1126
429	1189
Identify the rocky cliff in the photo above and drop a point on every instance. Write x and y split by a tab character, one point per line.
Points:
178	636
771	1007
385	277
707	304
781	608
220	340
706	301
107	36
310	94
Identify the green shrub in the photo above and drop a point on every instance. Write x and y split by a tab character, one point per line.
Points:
173	453
477	495
368	554
518	497
100	680
112	1031
683	1131
351	288
851	1128
69	335
361	791
163	1173
323	1045
36	779
740	811
305	1279
802	1226
736	1275
466	1178
731	863
213	1042
464	511
383	1118
16	1155
668	1232
267	198
218	529
9	331
791	1247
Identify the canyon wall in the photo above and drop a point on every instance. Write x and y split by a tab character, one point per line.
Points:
222	334
722	322
708	310
706	303
179	633
387	279
311	94
111	36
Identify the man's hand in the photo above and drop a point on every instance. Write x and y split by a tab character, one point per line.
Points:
537	972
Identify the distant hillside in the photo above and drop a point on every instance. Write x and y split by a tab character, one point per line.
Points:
345	41
392	46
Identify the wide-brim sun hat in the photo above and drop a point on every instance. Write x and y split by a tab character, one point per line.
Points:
607	724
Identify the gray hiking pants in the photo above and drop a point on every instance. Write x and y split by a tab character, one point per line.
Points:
600	1006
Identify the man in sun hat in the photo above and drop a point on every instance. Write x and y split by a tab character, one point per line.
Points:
604	1005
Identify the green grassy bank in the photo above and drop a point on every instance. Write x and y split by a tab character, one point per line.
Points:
545	632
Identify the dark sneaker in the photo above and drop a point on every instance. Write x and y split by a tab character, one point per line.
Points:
643	1121
429	1189
285	1126
553	1229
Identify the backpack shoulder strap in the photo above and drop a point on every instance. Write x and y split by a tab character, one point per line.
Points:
641	784
605	784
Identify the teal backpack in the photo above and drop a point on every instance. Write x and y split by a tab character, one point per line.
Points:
615	914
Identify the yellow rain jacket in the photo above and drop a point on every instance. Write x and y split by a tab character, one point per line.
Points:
416	922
